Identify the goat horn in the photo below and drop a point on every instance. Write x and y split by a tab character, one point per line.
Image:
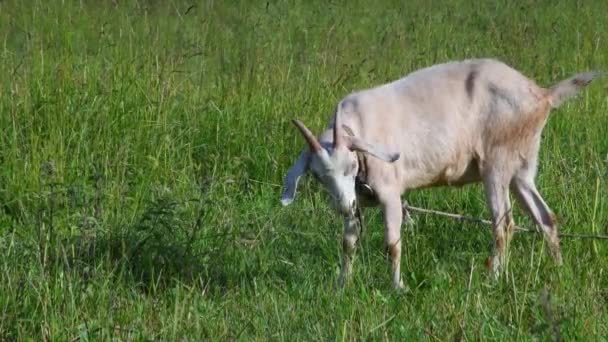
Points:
313	143
338	140
348	130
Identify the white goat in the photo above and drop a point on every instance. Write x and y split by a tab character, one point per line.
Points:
448	124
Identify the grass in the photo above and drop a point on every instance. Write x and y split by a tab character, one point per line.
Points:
143	146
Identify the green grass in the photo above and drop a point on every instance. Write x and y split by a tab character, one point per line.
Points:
143	146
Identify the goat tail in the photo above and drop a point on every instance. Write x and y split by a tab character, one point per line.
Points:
564	90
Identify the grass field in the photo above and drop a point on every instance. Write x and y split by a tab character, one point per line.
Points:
143	146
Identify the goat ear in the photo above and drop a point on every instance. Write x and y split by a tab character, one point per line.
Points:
293	176
356	144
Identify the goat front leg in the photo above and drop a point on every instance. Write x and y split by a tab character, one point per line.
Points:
350	237
496	186
393	217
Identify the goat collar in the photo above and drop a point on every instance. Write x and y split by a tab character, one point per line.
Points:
362	188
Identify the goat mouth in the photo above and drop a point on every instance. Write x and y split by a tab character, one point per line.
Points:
347	212
350	215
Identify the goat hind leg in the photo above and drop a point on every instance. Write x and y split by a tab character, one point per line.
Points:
497	197
526	192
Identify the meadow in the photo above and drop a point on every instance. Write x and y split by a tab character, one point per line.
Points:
143	146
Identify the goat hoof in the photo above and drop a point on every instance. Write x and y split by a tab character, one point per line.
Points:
494	267
557	257
339	284
399	286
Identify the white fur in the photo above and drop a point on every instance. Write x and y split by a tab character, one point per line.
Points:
448	124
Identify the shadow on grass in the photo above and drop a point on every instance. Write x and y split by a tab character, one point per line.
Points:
167	246
170	242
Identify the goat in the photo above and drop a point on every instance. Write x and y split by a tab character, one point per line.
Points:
451	124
